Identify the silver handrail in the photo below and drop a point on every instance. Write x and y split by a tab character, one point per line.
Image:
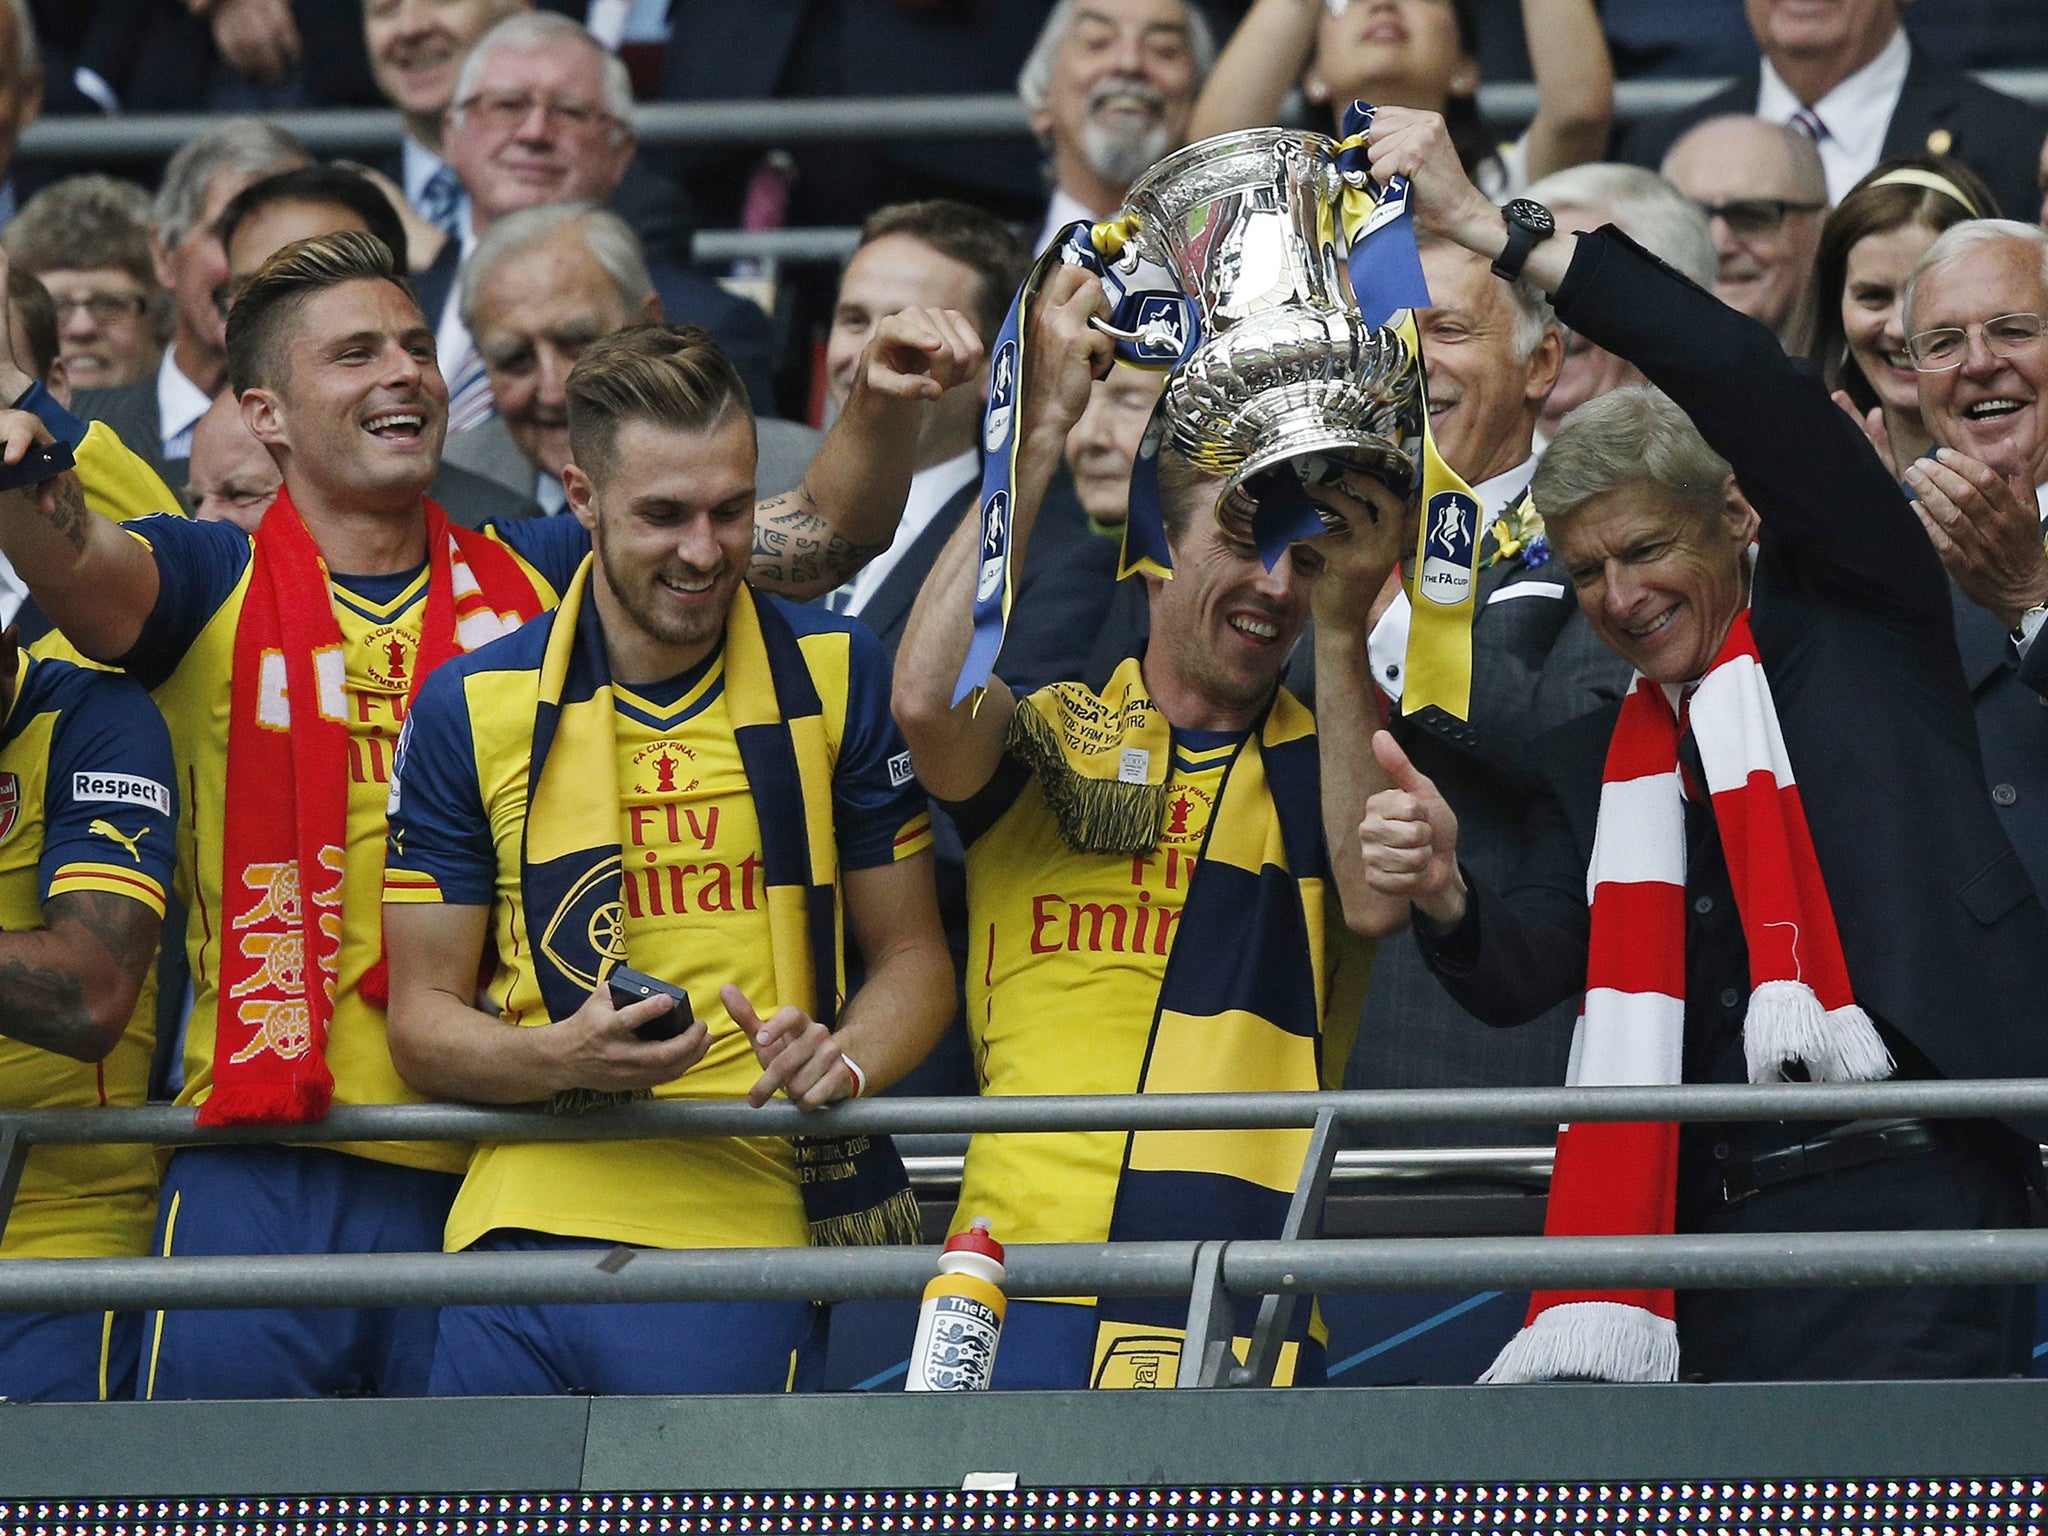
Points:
795	121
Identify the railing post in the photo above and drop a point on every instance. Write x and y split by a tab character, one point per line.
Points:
1212	1319
1304	1219
14	1148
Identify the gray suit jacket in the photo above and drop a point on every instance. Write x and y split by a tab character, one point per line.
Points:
488	450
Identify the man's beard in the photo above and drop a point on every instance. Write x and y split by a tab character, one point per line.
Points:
637	596
1120	146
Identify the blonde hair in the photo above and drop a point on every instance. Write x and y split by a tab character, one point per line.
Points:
673	376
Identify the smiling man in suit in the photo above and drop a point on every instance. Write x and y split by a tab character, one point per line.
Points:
1844	73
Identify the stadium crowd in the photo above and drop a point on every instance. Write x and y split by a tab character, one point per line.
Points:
427	589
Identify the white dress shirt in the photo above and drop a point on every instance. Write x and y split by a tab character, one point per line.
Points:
547	490
1387	645
1855	113
1059	213
930	490
179	405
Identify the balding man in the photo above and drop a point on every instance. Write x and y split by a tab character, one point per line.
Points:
1846	74
1110	86
234	478
1764	191
542	113
1651	212
542	285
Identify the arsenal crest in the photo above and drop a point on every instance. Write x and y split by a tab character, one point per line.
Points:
10	804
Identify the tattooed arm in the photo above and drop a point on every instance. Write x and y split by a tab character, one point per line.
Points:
70	985
95	582
845	512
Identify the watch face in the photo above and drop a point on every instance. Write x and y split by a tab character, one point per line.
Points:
1532	216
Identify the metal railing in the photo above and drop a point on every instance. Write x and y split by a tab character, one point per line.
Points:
1213	1274
806	120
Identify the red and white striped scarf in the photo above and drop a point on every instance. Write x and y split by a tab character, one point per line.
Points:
1619	1179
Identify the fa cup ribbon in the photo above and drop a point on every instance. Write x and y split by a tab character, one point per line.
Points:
1156	327
1443	577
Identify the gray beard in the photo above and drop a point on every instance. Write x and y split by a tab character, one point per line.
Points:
1119	156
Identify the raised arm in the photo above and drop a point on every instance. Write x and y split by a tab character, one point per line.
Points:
1574	84
1817	484
957	750
1257	68
811	539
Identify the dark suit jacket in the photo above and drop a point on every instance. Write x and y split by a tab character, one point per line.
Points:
2012	729
1996	135
131	410
1945	940
742	330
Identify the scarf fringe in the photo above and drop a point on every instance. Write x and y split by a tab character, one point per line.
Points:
268	1101
1589	1341
895	1220
581	1101
1094	815
1787	1024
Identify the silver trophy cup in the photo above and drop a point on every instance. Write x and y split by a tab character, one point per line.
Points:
1286	372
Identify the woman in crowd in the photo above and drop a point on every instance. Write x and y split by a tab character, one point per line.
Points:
1423	54
1868	249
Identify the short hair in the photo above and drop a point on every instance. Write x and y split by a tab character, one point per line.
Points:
28	298
971	236
86	222
538	32
1930	191
240	144
673	376
1961	239
334	185
610	241
1645	207
1628	435
282	285
1034	80
28	52
1180	481
1533	314
1809	176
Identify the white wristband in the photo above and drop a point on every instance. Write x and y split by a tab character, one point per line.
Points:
860	1078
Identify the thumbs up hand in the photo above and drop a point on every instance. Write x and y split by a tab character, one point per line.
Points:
1409	839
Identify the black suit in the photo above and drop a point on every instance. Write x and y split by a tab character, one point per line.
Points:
1996	135
1946	942
2012	729
743	331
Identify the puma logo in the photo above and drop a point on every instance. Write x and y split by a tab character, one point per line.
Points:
108	829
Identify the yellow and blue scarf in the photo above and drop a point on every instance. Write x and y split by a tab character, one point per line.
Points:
572	873
1241	1002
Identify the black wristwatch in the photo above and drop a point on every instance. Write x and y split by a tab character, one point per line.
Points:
1529	225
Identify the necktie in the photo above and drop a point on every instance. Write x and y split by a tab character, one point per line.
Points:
1808	122
441	200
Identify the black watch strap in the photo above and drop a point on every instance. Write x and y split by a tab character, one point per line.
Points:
1529	225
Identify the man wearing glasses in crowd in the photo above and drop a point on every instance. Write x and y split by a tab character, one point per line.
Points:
541	114
1973	326
1764	191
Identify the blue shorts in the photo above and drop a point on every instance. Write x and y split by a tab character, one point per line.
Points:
657	1348
273	1200
68	1357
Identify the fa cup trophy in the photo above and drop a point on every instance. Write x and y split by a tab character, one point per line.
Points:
1287	373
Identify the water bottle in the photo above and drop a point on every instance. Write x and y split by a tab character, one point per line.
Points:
961	1317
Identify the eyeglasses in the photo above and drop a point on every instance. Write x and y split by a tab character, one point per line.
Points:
1948	346
502	111
105	308
1750	218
